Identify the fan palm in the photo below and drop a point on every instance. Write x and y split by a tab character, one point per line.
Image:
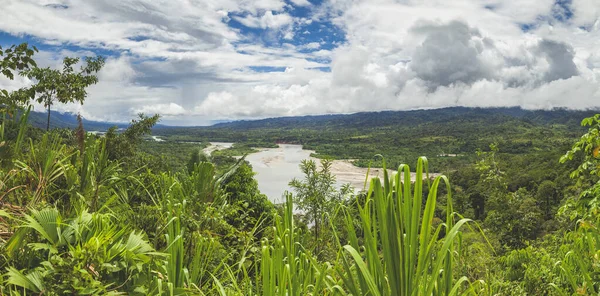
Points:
90	254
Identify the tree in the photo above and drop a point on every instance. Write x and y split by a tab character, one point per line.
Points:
66	86
547	197
251	207
580	264
517	221
491	175
587	174
317	194
196	156
491	181
124	144
16	58
477	203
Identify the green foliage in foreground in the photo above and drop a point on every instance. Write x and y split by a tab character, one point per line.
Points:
403	254
88	215
77	255
76	221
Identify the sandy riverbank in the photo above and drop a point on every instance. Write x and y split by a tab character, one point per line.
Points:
346	172
276	167
277	162
215	146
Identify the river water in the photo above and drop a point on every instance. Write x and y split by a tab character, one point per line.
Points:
276	167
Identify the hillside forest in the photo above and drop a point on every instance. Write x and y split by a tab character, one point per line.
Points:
515	210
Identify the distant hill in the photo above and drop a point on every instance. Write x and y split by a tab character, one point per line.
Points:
411	118
356	120
68	120
466	128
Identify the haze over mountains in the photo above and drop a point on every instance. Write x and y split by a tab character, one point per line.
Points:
68	120
332	121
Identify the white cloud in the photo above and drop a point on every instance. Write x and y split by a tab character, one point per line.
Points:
267	21
312	45
458	53
170	109
301	2
182	59
451	53
255	5
586	12
523	11
259	101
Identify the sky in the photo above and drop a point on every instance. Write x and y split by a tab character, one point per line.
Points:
199	61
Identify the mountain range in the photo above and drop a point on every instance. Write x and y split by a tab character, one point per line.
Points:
362	119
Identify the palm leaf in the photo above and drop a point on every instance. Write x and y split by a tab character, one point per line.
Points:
32	281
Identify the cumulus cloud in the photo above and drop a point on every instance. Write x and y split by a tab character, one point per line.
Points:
14	84
437	64
560	59
451	53
585	12
311	45
301	2
170	109
524	11
191	61
267	21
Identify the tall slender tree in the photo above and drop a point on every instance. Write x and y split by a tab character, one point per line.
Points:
64	86
317	193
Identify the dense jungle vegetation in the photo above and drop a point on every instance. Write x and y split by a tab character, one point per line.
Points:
448	137
82	214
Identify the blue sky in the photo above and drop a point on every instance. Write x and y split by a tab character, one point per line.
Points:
195	61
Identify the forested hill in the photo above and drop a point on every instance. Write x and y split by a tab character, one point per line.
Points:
68	120
401	136
356	120
413	118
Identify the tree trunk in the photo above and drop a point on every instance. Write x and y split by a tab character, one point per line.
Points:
48	123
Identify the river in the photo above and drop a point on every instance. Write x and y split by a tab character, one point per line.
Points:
276	167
